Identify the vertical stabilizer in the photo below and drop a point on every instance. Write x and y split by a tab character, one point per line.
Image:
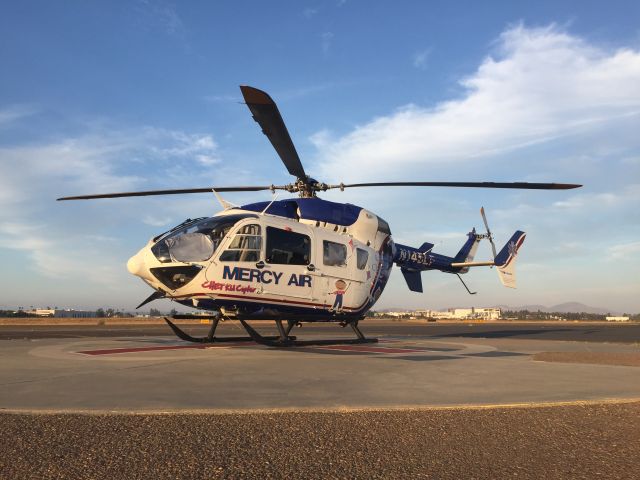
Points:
506	260
468	251
413	279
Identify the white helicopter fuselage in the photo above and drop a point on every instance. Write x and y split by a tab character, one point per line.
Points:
263	266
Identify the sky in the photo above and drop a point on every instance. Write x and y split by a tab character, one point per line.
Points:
135	95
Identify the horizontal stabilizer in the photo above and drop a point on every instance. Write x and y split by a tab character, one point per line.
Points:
472	264
426	247
413	279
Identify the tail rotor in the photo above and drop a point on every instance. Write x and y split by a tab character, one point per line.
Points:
489	235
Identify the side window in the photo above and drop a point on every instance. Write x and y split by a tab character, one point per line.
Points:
287	248
334	254
383	226
363	256
245	246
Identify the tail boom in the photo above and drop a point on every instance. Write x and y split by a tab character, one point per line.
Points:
412	260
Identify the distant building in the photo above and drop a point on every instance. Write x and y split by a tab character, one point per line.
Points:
42	312
473	313
435	314
60	313
617	319
396	314
485	313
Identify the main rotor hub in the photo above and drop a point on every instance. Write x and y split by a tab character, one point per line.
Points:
307	187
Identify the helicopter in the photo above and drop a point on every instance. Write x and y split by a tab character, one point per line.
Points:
301	259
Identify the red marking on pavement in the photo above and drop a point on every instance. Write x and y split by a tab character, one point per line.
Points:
364	348
352	348
159	348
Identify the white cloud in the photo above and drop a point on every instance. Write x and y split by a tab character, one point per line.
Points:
625	251
420	58
51	256
310	12
327	39
183	144
70	241
156	221
222	98
207	160
629	195
321	138
161	14
301	92
631	161
13	113
84	162
542	84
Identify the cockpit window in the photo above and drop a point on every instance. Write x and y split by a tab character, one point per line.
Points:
383	226
245	246
200	239
190	247
188	221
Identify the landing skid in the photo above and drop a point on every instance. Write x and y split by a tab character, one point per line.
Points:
284	340
210	338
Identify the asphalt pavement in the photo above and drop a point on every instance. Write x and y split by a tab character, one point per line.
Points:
563	331
558	442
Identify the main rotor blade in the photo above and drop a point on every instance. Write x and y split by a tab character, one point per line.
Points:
523	185
265	112
172	192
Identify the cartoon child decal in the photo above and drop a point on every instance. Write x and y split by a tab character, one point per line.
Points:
341	288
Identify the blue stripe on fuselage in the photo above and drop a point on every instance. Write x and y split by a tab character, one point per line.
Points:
416	259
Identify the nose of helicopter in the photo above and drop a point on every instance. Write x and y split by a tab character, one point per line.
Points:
136	264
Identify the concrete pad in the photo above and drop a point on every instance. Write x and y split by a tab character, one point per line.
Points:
165	374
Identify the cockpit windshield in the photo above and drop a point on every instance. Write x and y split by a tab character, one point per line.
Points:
197	241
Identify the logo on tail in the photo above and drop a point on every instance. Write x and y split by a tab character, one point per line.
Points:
506	260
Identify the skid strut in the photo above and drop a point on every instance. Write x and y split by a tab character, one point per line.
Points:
210	338
284	340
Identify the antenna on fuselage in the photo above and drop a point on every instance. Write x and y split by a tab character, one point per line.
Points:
275	197
226	205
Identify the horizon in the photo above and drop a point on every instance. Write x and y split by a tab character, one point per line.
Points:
589	309
144	95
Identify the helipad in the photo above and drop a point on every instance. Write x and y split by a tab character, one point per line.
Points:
160	373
